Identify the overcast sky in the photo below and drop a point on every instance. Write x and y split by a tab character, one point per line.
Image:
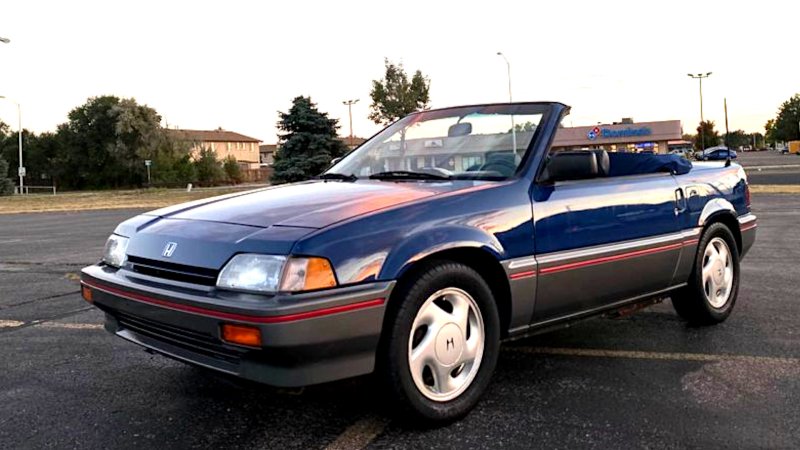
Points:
232	64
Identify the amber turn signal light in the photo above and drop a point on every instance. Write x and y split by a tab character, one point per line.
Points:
319	274
307	274
86	292
241	335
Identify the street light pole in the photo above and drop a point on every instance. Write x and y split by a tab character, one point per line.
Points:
19	125
510	100
350	104
700	77
19	128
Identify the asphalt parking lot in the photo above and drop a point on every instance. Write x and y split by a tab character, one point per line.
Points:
769	167
643	381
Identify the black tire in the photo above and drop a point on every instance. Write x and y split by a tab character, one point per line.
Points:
392	362
691	302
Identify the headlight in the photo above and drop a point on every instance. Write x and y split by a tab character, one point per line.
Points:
271	273
251	272
114	253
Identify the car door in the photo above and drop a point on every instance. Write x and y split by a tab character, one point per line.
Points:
603	240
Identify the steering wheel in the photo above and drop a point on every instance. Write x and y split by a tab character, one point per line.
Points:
501	166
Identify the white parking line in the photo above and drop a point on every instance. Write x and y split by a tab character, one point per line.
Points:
71	326
11	323
359	434
668	356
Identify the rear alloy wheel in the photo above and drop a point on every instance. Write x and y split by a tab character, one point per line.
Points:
440	343
713	286
717	273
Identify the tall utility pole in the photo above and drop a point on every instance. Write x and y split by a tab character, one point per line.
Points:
700	77
725	104
350	104
510	100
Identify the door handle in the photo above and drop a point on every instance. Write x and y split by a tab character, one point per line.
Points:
680	202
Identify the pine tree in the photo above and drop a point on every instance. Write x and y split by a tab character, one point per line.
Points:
308	142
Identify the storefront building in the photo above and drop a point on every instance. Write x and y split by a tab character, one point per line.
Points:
626	136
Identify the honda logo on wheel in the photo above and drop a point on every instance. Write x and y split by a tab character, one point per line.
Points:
169	249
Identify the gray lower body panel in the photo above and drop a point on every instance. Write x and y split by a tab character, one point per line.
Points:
337	339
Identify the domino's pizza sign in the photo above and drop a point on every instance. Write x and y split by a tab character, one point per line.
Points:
607	133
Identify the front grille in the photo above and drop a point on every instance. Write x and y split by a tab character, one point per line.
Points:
172	271
188	339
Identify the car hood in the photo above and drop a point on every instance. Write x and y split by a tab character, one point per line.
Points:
314	204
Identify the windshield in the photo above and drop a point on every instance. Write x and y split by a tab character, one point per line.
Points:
475	142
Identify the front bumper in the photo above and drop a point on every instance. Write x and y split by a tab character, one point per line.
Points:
306	338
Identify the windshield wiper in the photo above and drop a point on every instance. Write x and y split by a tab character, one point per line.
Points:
407	175
337	176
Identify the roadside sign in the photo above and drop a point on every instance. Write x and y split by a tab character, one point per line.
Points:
148	162
21	172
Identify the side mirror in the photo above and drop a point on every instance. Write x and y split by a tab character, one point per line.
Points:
335	161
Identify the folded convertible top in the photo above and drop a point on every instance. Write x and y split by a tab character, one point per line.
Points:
621	164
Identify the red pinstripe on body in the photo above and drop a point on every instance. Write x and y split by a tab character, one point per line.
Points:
233	316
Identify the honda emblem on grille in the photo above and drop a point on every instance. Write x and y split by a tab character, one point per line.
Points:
169	249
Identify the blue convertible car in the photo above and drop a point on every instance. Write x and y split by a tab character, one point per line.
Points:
420	251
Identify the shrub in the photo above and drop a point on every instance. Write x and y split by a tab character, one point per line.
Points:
233	173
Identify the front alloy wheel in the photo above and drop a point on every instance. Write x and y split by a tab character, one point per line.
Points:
440	342
446	344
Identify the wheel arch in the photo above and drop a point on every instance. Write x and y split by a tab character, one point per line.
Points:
731	222
722	211
481	261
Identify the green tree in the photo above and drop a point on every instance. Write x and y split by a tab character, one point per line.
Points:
706	134
758	140
739	138
106	141
786	126
395	96
172	163
769	131
6	185
209	170
233	173
308	142
523	127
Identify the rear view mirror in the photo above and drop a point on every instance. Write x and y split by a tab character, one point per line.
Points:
459	129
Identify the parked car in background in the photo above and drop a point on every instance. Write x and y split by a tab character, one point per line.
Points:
414	261
685	153
719	153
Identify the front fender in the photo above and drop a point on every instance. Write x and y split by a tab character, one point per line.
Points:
425	243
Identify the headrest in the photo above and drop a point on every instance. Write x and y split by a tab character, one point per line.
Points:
603	162
572	166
